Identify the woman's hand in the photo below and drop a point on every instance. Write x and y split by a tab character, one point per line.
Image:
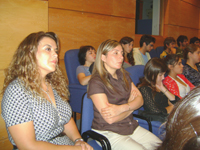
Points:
110	111
161	87
84	145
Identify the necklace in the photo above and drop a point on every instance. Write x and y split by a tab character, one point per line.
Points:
50	99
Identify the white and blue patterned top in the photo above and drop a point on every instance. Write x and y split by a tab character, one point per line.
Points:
18	106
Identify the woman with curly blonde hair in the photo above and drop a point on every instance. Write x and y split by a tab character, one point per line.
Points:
35	94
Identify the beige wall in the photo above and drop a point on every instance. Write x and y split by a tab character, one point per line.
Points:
18	18
90	22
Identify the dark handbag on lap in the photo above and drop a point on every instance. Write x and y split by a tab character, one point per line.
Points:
153	116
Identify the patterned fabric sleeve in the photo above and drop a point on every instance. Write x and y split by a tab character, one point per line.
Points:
149	102
15	105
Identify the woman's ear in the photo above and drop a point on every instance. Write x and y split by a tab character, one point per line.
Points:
103	57
170	67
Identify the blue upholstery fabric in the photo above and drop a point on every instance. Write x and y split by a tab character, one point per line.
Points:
86	120
153	53
136	72
75	88
159	50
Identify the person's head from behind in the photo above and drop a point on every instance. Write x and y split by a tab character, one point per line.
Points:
182	127
195	40
127	44
154	71
87	54
192	53
147	42
182	41
174	64
109	56
169	43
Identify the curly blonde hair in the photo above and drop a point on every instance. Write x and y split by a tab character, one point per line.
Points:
24	67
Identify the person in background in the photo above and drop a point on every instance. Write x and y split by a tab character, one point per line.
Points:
195	40
86	56
182	126
176	82
115	97
192	68
127	45
158	101
35	94
182	42
141	55
169	44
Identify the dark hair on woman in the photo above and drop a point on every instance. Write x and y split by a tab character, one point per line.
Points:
171	59
128	40
82	53
153	67
182	126
190	48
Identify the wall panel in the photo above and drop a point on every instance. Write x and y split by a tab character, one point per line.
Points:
18	18
171	31
174	12
79	28
189	15
193	2
107	7
188	31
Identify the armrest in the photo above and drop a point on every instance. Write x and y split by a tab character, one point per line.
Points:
96	136
146	119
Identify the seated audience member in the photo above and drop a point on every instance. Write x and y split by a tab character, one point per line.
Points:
169	44
158	101
35	95
176	82
141	55
86	56
192	68
182	127
115	97
195	41
127	44
182	42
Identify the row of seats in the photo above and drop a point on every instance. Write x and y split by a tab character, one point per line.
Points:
81	104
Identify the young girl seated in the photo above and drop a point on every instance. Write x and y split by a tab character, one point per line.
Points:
176	82
158	101
192	68
115	97
86	56
127	44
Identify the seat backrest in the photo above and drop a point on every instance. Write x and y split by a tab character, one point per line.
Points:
87	114
136	72
71	63
159	50
153	53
